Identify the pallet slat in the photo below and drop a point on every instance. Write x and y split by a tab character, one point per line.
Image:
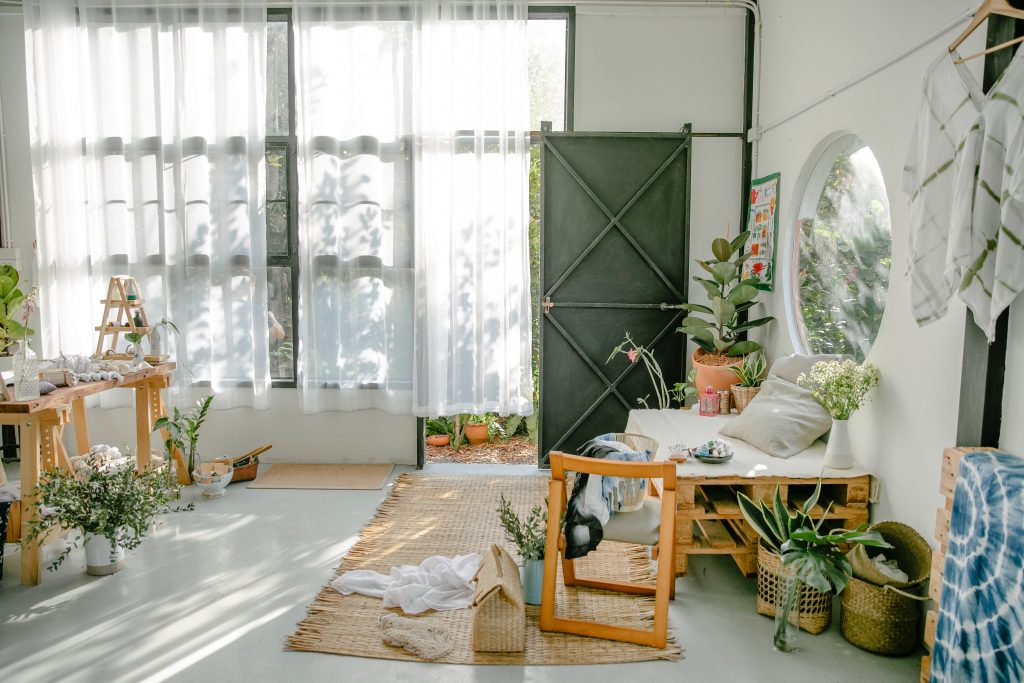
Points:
717	535
722	499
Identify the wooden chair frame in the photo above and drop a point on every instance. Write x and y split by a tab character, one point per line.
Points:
664	588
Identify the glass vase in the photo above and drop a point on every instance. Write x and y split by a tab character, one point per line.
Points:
26	373
787	614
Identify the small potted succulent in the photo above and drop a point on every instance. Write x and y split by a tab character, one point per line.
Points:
529	538
718	334
105	499
750	373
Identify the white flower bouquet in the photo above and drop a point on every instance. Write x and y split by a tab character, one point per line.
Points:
841	387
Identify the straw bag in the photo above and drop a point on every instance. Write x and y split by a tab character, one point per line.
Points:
815	607
881	615
499	616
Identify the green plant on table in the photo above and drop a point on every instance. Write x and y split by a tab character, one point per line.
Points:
750	372
841	387
720	332
183	431
685	390
527	536
100	500
12	303
154	339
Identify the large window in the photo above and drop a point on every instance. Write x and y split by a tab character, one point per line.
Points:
550	54
842	251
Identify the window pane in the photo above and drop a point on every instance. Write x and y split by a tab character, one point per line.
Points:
277	229
277	77
277	174
279	323
546	44
845	251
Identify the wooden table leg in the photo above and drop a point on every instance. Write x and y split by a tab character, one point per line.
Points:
81	426
156	401
31	553
143	425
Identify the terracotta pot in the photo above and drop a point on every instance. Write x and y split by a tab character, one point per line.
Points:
438	440
717	376
477	434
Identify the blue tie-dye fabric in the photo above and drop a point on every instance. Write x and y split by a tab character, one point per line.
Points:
979	634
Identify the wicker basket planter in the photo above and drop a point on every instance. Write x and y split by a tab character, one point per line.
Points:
815	607
741	396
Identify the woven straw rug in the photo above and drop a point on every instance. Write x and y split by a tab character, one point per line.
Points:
291	476
451	514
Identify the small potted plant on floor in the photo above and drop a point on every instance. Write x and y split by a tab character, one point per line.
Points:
798	567
750	374
718	333
529	538
105	499
439	432
183	433
841	387
477	428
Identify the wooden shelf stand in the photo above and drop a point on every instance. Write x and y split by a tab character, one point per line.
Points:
124	301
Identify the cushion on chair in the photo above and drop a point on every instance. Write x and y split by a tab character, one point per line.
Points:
642	526
782	420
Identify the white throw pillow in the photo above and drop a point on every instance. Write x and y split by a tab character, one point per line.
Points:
782	420
792	366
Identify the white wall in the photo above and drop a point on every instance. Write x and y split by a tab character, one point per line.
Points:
809	48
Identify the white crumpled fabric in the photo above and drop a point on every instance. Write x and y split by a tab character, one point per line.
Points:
438	583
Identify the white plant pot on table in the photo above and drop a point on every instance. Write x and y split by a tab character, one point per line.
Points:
839	453
99	560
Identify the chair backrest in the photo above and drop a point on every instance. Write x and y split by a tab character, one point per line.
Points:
563	462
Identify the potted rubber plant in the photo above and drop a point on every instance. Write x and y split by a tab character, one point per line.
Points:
717	329
183	432
799	567
107	501
750	376
529	538
11	301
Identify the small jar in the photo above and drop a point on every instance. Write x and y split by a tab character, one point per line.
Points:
724	402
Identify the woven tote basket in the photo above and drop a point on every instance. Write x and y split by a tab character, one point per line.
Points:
741	396
499	616
883	619
815	607
633	490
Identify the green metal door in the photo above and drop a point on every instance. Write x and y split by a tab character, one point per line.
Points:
614	246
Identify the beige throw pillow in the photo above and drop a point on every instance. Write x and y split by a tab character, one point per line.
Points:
792	366
782	420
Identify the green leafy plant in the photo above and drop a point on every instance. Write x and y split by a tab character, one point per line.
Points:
12	303
528	537
635	352
774	522
750	372
685	390
154	340
442	426
183	430
841	387
113	502
720	333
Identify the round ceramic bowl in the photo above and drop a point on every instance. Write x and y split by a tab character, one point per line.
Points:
213	478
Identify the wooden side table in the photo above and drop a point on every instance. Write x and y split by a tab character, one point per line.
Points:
42	423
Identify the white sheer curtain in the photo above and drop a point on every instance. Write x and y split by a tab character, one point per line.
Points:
148	125
413	157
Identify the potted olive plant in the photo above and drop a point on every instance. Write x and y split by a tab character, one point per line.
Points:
105	499
718	328
529	538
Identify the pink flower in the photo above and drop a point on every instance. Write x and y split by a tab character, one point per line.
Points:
631	354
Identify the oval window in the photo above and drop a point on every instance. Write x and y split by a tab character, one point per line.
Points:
842	251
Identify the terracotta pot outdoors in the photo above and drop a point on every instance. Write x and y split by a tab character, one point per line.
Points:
438	440
477	434
717	376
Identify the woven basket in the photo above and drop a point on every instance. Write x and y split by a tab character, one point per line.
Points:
911	552
246	472
633	490
880	619
499	616
741	396
815	607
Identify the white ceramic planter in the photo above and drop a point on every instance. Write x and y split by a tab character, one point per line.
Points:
839	454
98	559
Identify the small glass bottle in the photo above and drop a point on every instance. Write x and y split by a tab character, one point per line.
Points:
26	373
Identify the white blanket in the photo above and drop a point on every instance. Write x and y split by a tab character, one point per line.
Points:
438	583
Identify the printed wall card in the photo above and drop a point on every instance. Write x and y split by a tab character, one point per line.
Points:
762	223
